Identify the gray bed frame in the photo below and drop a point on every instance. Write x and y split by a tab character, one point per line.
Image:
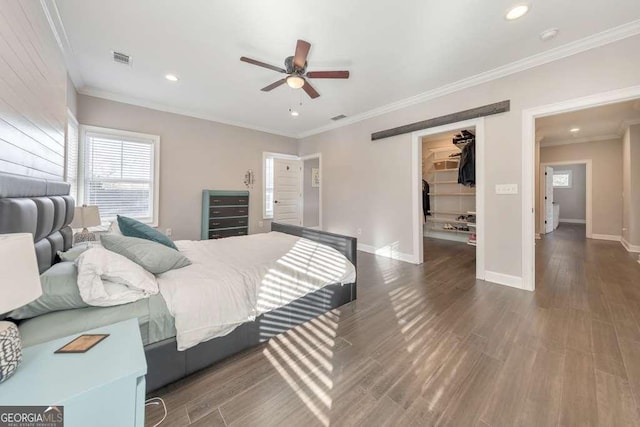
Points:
45	209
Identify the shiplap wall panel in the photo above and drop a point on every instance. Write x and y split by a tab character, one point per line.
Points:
32	93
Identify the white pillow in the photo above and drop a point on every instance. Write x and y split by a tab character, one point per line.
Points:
106	278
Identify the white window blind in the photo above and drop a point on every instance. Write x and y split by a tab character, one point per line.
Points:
119	173
73	145
562	179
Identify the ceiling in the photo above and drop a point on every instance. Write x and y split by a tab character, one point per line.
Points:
393	49
600	123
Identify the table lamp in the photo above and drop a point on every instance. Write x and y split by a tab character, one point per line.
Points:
83	217
20	285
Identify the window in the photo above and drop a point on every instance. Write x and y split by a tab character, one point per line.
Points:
119	174
268	181
562	179
73	147
268	187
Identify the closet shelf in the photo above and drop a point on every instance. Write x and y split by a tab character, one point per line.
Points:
451	194
471	224
443	182
450	231
447	213
445	170
446	221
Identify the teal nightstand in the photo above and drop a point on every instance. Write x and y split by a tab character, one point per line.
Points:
102	387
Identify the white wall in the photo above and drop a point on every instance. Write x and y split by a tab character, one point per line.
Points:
606	160
195	155
33	80
572	201
631	186
367	184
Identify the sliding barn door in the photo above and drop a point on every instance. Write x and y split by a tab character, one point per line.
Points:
287	191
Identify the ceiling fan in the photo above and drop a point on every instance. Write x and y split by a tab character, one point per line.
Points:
296	68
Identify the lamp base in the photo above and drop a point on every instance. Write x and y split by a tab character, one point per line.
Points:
10	350
84	236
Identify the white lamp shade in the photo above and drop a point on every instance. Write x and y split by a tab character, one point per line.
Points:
86	216
19	275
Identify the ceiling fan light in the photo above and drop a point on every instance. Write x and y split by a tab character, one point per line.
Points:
295	82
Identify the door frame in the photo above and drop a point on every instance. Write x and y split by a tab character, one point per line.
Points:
309	157
529	117
416	186
589	190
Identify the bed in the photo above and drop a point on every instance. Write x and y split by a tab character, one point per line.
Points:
45	209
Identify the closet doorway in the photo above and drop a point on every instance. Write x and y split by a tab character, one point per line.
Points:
450	176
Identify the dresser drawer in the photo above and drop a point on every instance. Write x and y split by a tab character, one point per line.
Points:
228	200
219	234
228	222
222	211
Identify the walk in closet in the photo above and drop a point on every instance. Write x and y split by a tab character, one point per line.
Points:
448	179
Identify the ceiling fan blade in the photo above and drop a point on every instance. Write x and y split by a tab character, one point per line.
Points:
273	85
302	50
328	74
262	64
313	94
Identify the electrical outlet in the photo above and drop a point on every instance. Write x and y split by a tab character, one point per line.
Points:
260	224
168	232
359	231
507	189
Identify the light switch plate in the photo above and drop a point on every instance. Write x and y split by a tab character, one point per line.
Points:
506	188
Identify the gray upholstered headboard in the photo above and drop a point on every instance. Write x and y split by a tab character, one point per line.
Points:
40	207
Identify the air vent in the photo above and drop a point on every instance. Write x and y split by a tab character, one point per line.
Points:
121	58
340	117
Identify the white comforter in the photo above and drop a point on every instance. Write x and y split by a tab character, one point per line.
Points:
233	280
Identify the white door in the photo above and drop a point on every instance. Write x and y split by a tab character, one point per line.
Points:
287	191
548	199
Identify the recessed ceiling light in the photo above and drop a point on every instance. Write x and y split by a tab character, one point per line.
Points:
294	113
517	11
574	130
549	34
171	77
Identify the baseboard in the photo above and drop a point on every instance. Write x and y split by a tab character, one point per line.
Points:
503	279
629	247
573	221
609	237
388	252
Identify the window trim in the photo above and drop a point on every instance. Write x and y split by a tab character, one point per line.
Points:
266	155
72	121
155	172
567	172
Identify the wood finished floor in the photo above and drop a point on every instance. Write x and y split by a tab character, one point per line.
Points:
430	345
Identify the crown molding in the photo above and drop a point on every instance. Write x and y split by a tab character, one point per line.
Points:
98	93
583	140
627	124
50	9
591	42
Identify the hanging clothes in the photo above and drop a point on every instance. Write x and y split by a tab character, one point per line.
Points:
467	165
426	205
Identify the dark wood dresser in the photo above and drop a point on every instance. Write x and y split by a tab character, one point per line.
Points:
224	214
